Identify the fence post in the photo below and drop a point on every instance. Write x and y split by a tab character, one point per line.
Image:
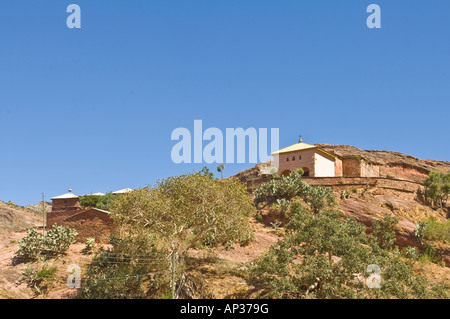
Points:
173	275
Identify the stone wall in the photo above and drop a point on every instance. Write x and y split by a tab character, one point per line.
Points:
344	183
88	223
66	204
351	167
93	227
58	216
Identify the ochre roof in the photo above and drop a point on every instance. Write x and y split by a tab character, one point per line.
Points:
300	147
294	148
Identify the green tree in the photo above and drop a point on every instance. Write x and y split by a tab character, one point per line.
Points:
220	169
106	201
99	201
437	187
186	209
205	171
89	200
179	213
324	255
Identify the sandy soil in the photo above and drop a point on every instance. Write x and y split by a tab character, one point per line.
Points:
12	284
264	238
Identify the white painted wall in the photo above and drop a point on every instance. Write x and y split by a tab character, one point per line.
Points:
323	167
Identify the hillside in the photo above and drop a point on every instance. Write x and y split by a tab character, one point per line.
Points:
38	207
15	218
213	273
397	191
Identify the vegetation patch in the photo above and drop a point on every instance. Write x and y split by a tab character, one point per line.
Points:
55	243
157	226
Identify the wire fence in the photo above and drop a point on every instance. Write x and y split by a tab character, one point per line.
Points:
156	260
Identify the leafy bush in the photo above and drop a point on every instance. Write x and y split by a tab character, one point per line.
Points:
429	254
40	280
384	231
57	241
288	187
229	245
280	207
90	245
419	231
283	204
435	230
411	253
319	197
30	247
113	278
276	224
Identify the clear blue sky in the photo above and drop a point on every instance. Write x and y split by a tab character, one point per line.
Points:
94	108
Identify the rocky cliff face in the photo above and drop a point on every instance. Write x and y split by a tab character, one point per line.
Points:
392	164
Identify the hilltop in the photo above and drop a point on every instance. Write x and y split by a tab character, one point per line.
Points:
393	164
397	190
